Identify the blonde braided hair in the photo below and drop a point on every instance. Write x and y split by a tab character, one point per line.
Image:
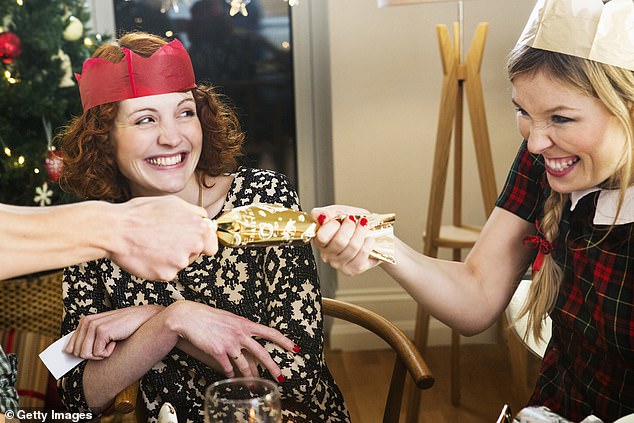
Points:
612	85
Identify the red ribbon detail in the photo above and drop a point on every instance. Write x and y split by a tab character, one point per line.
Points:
32	394
543	247
10	340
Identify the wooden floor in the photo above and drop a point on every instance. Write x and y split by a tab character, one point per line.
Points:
485	378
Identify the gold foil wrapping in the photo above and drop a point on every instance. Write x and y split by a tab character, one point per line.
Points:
272	224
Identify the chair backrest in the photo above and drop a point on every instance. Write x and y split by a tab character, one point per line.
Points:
523	350
407	356
536	346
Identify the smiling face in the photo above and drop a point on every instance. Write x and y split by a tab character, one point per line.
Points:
580	140
158	141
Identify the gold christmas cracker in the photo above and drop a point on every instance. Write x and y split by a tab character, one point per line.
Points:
271	224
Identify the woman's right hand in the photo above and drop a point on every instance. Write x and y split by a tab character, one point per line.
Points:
227	338
96	335
343	243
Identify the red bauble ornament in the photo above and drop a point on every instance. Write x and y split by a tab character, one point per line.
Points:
10	47
54	165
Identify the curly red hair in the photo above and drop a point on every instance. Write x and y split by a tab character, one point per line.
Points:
90	168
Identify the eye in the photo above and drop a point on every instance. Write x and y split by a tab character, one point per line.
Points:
188	113
144	120
520	112
561	119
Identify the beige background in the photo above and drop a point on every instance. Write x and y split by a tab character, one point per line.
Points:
385	93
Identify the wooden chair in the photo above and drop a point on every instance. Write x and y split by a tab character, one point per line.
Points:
524	351
407	355
408	359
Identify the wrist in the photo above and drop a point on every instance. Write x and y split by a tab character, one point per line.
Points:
114	229
173	317
95	222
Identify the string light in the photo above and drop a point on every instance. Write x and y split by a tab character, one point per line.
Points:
237	6
9	78
7	151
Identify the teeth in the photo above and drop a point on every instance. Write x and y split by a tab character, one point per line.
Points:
559	165
166	161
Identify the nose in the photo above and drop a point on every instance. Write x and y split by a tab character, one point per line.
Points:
539	137
169	134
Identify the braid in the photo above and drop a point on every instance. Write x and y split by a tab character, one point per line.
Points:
546	281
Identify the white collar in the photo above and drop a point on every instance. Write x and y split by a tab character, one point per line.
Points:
607	205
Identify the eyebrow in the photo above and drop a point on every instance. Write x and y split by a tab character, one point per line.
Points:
551	110
152	109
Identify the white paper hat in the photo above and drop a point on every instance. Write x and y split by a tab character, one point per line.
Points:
585	28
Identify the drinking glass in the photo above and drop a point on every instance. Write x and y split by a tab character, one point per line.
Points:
243	400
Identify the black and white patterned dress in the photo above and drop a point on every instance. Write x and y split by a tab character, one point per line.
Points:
275	286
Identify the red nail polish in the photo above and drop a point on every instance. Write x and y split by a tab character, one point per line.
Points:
296	348
280	378
321	219
363	221
351	217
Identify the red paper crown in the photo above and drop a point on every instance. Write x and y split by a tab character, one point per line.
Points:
168	70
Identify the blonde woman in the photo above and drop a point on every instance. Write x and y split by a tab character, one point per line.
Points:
566	207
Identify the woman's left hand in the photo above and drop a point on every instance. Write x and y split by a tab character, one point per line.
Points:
226	338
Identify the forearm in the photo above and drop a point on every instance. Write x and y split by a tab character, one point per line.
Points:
132	358
53	237
445	289
468	296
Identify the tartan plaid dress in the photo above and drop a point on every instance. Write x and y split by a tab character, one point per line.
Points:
588	367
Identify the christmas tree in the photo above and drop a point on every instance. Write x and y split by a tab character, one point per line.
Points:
42	42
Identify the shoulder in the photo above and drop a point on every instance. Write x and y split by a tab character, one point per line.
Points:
526	186
264	186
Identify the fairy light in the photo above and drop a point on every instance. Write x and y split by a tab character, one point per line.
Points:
20	2
36	170
88	42
21	161
7	151
237	6
10	79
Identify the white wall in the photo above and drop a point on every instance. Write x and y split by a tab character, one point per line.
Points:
385	88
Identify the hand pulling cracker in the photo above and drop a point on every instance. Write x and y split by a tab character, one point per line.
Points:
271	224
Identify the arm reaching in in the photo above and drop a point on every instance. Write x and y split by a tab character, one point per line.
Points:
468	296
153	237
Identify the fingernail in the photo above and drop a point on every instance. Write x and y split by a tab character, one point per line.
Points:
296	348
280	378
351	217
321	219
363	221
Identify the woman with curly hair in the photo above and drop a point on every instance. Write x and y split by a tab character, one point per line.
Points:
148	130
